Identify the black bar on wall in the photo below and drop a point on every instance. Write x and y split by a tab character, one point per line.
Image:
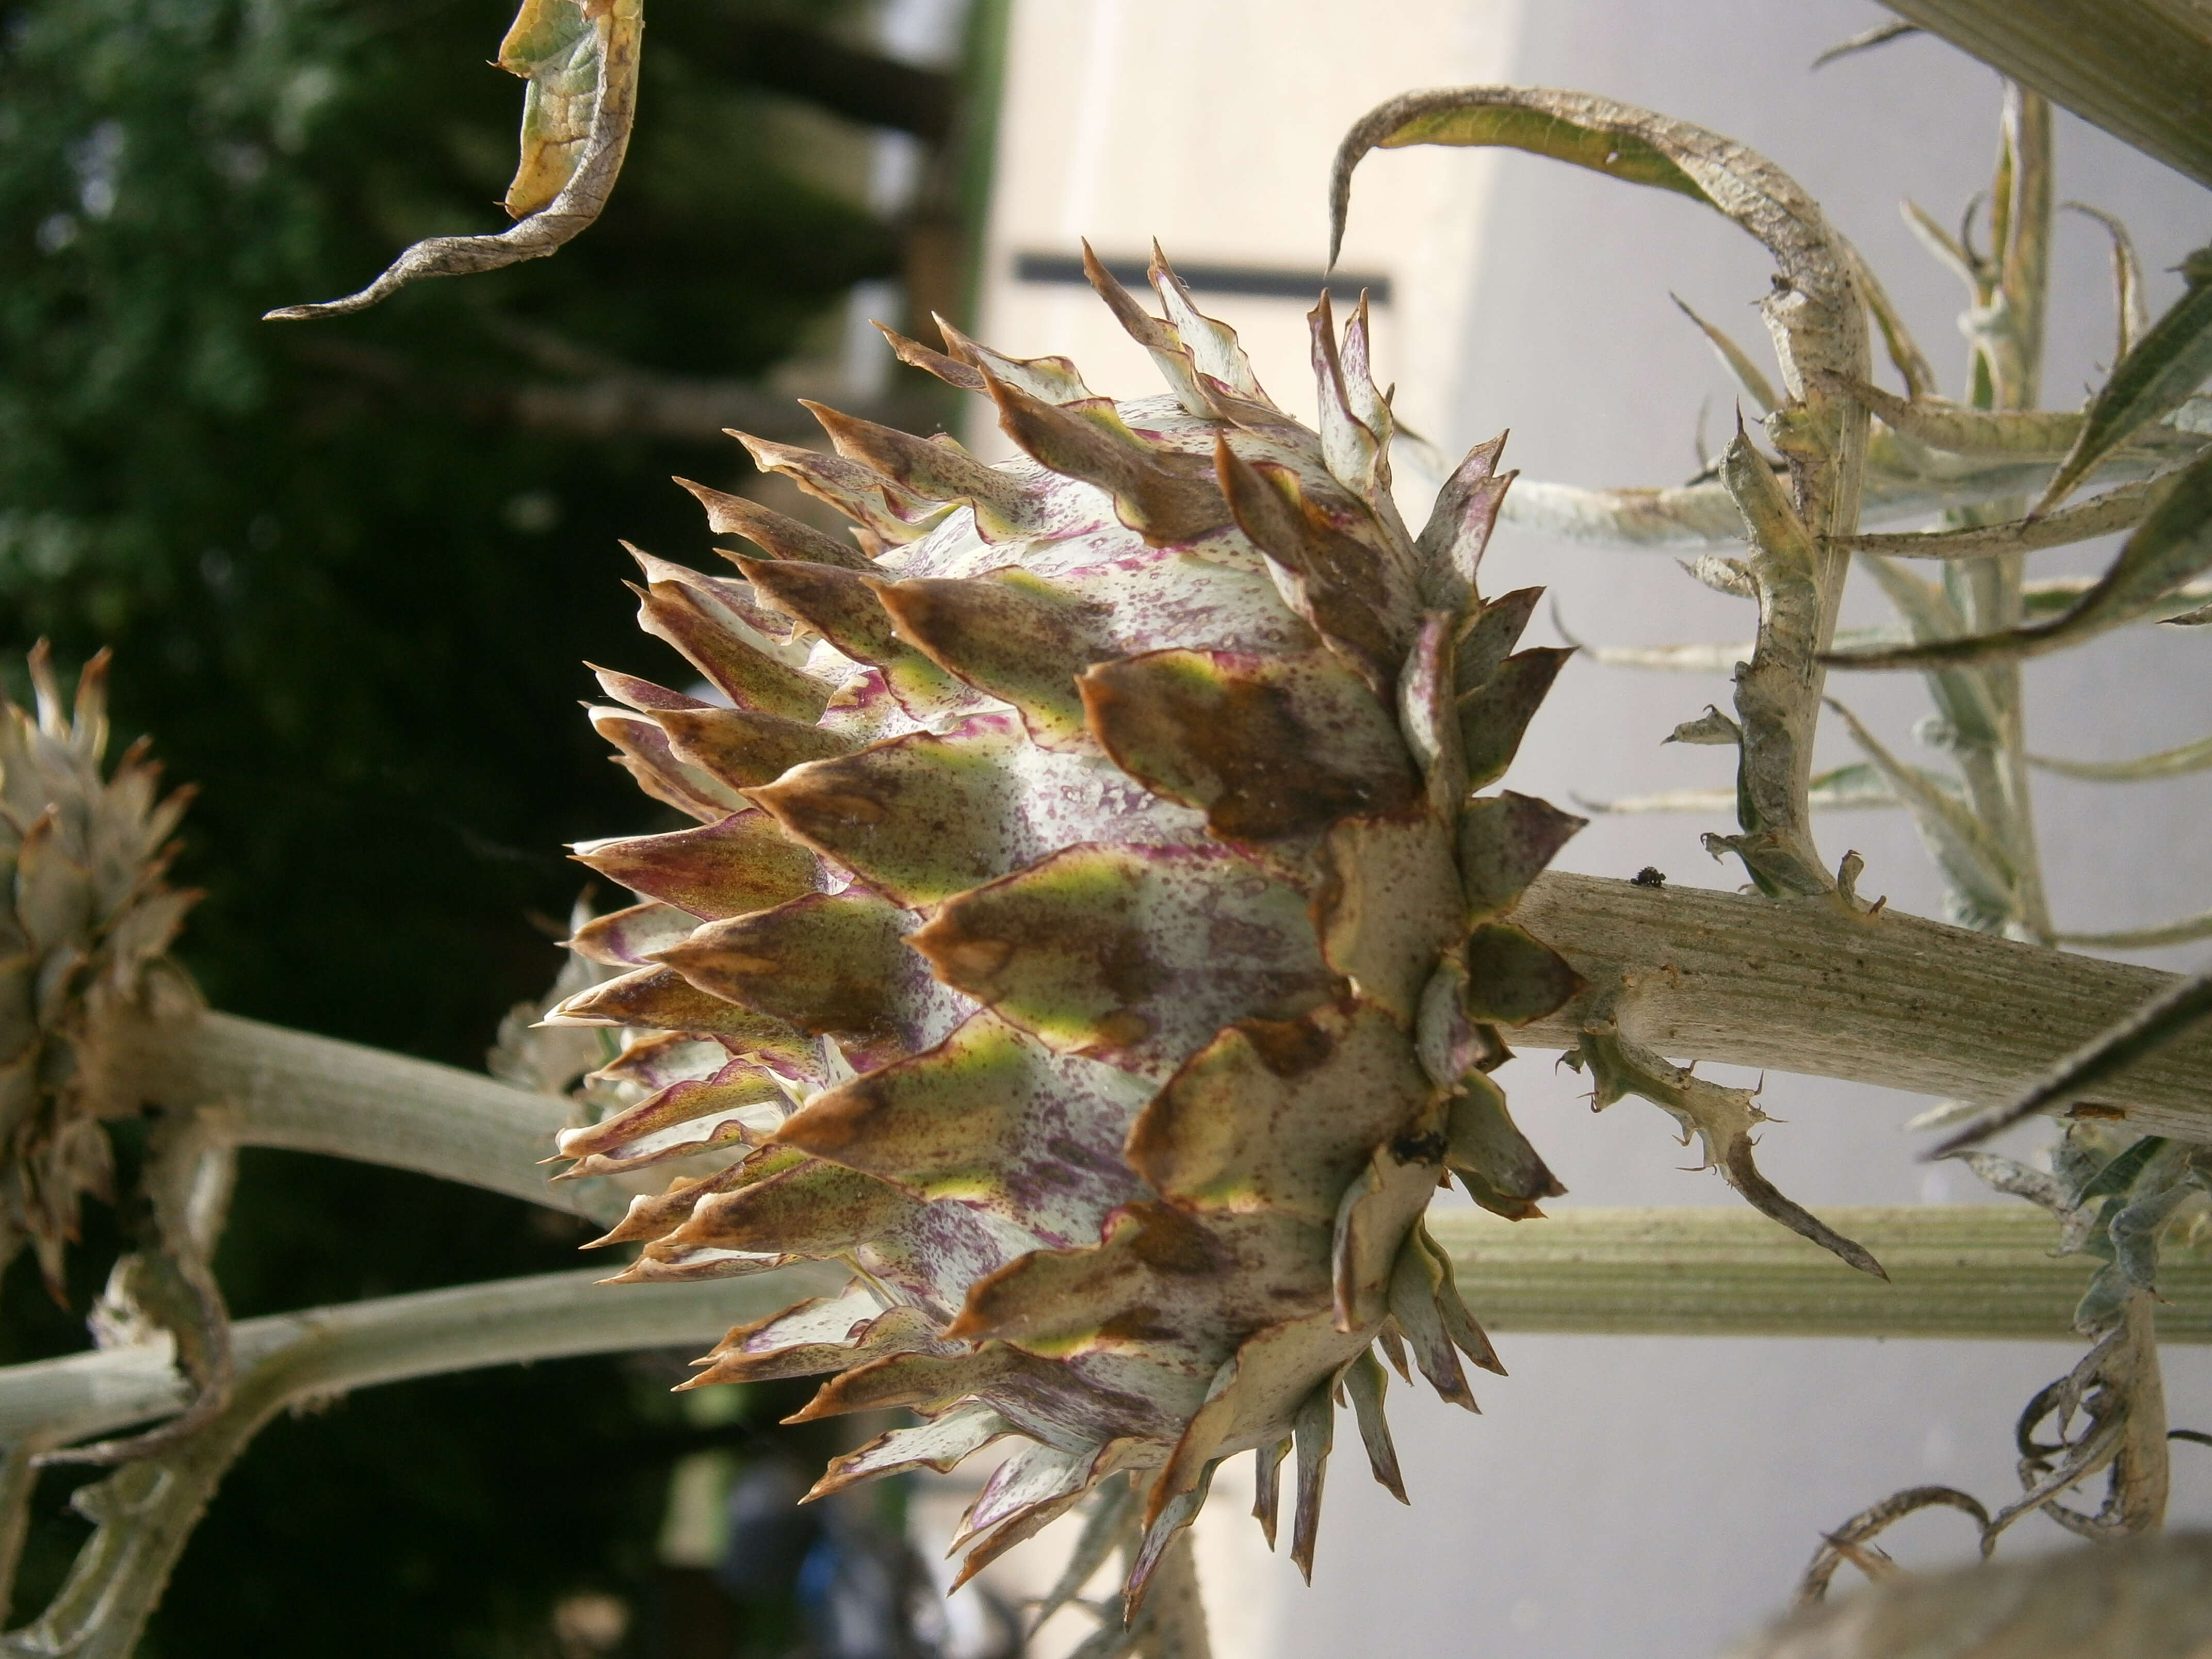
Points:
1263	281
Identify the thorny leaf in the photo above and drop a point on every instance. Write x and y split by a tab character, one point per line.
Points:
1588	132
1905	357
2053	596
2153	380
2172	544
1724	575
1950	252
1957	841
2174	1010
1722	1118
1902	482
1961	429
2118	1173
581	58
555	45
1774	691
2132	1195
1711	657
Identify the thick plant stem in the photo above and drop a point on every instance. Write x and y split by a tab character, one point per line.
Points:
1801	985
2005	326
1958	1270
316	1094
1793	986
392	1339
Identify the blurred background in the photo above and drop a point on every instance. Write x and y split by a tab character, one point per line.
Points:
351	570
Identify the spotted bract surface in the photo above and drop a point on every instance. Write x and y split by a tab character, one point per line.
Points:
1093	933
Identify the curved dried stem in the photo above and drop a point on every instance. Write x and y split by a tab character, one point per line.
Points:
1817	316
1850	1542
167	1285
2118	1391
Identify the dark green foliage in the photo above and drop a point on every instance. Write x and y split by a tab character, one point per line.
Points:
350	595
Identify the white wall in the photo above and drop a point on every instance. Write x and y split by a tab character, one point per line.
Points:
1622	1496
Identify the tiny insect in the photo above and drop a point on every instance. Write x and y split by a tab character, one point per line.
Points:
1650	876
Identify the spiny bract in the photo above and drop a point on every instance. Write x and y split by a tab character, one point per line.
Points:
82	944
1090	936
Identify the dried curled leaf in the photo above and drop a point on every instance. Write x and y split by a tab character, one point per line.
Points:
1622	141
1853	1541
581	58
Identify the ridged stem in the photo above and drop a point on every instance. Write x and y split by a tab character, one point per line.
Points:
391	1339
145	1513
1801	985
1792	986
1174	1626
1956	1272
316	1094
